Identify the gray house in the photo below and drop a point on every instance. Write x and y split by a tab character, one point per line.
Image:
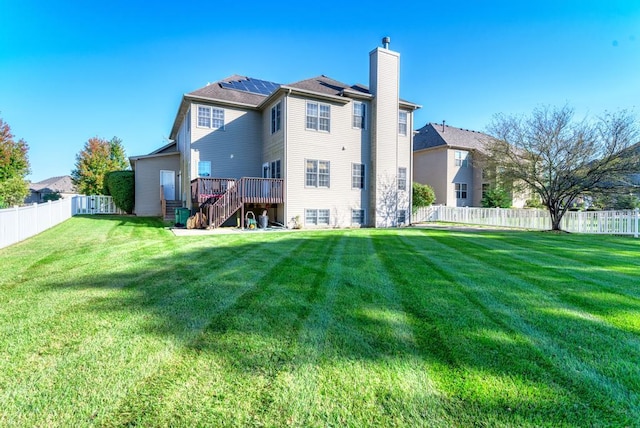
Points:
318	152
60	185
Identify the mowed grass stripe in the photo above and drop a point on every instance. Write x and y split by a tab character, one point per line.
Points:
519	302
351	339
229	374
350	328
486	371
161	304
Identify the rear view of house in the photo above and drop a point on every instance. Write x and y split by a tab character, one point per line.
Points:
317	152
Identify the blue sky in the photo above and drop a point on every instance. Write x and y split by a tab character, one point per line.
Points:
72	70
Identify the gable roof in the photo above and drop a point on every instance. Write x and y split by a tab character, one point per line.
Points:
437	135
62	184
236	90
248	92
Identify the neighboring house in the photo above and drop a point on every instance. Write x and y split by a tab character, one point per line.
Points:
449	160
61	185
318	151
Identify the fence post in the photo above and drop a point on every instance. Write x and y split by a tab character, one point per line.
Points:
637	217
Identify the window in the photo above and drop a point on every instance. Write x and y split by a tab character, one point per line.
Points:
276	118
358	115
318	116
461	190
357	176
357	216
318	217
402	178
204	169
461	158
210	117
317	173
402	216
402	123
275	169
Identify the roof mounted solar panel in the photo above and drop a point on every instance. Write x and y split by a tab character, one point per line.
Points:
254	86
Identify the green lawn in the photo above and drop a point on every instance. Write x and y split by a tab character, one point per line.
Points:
111	321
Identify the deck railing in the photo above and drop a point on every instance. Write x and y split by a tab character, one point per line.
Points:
222	197
204	188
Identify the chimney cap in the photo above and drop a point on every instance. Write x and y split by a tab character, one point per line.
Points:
385	42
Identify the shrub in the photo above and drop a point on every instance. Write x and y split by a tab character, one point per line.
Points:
52	196
423	195
121	186
496	197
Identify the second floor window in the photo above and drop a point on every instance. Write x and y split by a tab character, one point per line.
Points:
276	118
318	116
210	117
358	115
357	176
461	158
317	173
402	123
402	178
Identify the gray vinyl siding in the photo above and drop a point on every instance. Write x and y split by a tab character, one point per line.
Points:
342	146
273	148
183	144
235	151
147	182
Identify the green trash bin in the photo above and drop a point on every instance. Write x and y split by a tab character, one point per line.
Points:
182	215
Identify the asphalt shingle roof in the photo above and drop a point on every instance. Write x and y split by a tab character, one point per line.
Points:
62	184
216	91
436	135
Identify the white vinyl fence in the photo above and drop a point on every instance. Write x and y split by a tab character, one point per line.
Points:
20	223
625	222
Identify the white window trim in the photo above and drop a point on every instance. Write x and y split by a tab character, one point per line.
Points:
466	190
317	174
317	116
461	158
363	116
210	117
361	177
402	181
316	216
404	122
364	217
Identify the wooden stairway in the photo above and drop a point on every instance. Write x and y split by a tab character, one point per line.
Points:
245	190
170	210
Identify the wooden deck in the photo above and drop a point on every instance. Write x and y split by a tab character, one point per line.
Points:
220	198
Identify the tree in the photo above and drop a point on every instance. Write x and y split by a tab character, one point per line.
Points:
496	197
560	158
94	161
423	196
14	167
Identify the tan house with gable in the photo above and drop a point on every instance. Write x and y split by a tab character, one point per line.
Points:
449	159
318	151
